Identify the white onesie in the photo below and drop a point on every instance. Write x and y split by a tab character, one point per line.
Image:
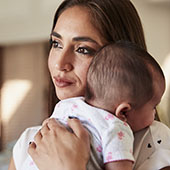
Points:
111	138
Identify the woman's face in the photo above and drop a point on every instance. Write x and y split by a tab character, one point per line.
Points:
74	43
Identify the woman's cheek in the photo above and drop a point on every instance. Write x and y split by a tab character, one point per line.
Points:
50	63
84	69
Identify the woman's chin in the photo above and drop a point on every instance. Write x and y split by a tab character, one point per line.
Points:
63	96
66	95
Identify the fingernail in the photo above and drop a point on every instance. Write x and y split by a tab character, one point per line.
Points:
73	117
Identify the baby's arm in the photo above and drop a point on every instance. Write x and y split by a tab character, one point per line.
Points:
119	165
117	144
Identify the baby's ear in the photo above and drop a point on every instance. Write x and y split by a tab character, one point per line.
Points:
121	111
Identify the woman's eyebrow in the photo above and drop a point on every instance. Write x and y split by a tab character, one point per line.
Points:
84	38
81	38
55	34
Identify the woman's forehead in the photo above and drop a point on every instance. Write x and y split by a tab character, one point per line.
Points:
75	21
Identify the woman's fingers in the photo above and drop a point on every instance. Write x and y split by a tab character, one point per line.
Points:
38	137
45	121
44	130
78	129
31	148
41	133
55	126
53	147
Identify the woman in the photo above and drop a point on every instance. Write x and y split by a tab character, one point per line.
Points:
81	27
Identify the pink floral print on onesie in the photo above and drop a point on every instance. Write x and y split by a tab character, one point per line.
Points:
109	117
109	157
74	107
99	148
120	135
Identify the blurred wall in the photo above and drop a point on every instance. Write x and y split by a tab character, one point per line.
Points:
155	16
26	20
24	92
24	32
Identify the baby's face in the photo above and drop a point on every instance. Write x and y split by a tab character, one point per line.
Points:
144	116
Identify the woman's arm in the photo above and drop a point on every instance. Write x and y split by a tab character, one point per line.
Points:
11	165
57	148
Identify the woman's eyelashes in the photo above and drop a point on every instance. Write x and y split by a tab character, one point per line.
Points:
86	51
82	50
55	44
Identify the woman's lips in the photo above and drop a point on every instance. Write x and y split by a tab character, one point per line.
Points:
62	82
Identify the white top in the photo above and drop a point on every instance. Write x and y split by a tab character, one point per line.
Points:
152	147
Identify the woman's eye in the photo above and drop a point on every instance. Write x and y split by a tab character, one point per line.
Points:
55	44
86	51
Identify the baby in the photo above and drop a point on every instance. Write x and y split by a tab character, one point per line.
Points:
124	86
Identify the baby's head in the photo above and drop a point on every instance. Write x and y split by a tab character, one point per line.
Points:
126	81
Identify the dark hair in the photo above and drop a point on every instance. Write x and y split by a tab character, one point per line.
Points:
122	71
115	20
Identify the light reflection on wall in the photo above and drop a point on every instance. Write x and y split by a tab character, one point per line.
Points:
13	93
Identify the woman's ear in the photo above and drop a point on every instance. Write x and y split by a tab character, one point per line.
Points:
121	111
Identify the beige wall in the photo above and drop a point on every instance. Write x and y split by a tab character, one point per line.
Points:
155	15
24	92
24	27
26	20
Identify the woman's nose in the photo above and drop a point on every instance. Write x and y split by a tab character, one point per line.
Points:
63	67
64	62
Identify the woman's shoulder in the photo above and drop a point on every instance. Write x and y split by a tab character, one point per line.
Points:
151	147
157	127
156	131
160	134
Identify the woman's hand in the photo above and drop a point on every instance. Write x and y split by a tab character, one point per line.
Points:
57	148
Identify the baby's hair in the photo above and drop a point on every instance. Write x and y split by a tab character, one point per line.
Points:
119	72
